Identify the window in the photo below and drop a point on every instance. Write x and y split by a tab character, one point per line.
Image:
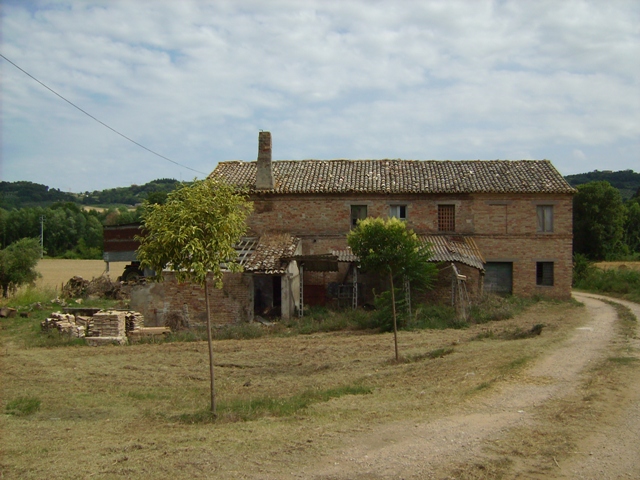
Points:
545	218
398	211
544	273
446	218
358	212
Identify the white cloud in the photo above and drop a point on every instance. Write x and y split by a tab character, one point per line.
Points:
195	81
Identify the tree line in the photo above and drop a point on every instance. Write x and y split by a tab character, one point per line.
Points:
605	227
28	194
606	224
68	230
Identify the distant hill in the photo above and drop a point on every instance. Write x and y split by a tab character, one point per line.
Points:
129	195
27	194
627	181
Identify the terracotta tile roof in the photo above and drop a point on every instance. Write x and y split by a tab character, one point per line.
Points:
264	255
345	255
454	248
402	176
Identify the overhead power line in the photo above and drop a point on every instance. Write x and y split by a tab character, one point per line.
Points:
99	121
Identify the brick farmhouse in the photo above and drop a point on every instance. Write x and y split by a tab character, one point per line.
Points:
505	225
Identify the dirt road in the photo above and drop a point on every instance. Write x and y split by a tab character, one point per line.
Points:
570	416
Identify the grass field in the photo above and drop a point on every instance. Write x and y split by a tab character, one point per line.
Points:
56	272
135	411
618	265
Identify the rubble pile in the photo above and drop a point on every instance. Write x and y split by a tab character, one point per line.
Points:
76	287
104	287
101	287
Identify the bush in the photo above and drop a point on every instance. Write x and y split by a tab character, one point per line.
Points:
382	317
582	268
620	282
494	307
436	317
321	319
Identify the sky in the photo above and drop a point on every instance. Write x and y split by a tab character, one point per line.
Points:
195	81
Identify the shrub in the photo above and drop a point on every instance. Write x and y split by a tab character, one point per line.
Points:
436	317
494	307
620	282
582	268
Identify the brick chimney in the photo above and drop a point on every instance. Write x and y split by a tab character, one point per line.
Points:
264	175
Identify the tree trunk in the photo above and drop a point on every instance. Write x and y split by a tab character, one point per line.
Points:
209	341
393	309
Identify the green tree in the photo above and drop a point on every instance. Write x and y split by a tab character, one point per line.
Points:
632	225
18	264
389	248
598	221
195	232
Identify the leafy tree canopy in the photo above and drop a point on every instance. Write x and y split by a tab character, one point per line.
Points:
195	231
387	246
18	264
598	221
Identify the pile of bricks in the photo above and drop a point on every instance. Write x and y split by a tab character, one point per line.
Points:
134	321
65	323
103	327
109	323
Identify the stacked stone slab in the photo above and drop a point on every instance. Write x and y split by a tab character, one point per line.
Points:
109	323
65	323
134	321
104	327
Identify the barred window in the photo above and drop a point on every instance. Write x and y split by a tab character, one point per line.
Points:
544	273
446	218
545	218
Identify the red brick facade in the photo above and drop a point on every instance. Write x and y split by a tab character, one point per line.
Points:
231	304
504	227
517	215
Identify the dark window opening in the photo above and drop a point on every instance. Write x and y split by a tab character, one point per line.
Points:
358	212
544	273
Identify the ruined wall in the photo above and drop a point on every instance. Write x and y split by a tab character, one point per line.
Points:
170	301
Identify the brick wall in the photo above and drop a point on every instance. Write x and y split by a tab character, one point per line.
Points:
231	304
442	288
503	225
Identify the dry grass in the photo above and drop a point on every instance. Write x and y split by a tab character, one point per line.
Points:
114	412
618	265
56	272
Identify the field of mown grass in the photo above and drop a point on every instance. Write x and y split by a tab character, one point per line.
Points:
134	411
